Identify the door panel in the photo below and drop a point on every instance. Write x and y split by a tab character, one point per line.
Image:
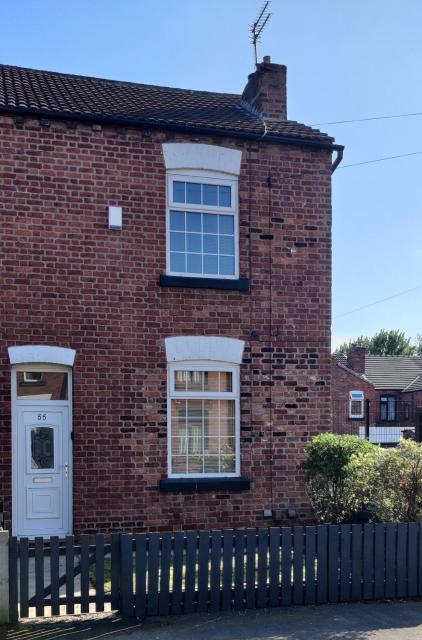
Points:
43	479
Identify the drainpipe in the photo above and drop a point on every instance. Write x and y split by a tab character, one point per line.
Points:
339	149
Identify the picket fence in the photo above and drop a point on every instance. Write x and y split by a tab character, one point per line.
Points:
185	572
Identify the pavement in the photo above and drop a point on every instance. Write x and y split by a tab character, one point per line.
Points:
356	621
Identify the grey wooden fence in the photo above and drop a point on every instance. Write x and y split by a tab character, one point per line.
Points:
53	577
182	572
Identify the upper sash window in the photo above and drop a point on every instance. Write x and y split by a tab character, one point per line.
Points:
202	225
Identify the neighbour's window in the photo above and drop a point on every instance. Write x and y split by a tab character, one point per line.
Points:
203	419
388	408
32	376
356	404
202	225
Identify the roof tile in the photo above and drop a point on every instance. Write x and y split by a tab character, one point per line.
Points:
50	93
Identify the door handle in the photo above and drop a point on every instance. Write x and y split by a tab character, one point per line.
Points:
66	470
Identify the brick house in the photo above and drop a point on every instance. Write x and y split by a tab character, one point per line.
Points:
383	392
165	303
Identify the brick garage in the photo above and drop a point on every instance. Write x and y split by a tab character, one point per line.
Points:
70	281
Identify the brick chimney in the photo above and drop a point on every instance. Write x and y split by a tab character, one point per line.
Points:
266	89
356	358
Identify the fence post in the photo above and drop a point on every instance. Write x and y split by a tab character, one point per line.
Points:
367	418
4	577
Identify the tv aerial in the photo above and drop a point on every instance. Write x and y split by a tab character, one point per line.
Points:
258	27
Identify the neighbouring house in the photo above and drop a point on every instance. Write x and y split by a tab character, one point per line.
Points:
165	303
383	393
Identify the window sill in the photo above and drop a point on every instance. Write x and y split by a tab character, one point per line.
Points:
241	284
204	484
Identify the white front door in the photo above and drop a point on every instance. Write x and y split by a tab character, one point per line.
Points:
41	459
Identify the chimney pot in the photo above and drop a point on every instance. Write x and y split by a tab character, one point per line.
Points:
267	59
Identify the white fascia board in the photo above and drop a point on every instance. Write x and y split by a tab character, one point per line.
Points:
41	353
219	349
208	157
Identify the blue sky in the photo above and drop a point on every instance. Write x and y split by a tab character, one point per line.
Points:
345	60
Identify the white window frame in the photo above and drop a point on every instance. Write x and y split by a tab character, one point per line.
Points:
202	365
361	415
204	177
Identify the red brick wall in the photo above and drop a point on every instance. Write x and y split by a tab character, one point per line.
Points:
69	281
342	382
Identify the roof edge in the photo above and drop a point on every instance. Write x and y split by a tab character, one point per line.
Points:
98	119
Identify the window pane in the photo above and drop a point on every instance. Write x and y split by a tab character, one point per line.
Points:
194	242
211	381
211	464
194	409
179	464
227	445
210	194
179	445
177	241
227	245
45	385
193	193
179	408
211	264
195	464
178	427
210	243
195	445
42	448
227	462
193	221
177	262
177	220
195	381
210	223
383	411
356	408
178	191
212	446
180	380
226	224
224	196
226	266
226	381
194	263
227	427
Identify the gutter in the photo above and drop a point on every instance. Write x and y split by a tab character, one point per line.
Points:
122	122
339	149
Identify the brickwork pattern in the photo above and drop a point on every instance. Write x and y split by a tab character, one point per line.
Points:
68	280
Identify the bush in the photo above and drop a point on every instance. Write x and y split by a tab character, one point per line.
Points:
348	477
332	491
397	478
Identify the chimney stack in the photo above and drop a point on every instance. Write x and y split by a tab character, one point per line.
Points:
356	358
266	90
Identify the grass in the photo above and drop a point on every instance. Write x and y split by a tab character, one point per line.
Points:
107	575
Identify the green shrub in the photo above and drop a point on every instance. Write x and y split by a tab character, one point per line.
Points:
397	483
332	490
347	475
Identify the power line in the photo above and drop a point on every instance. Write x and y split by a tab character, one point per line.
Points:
371	304
398	115
358	164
